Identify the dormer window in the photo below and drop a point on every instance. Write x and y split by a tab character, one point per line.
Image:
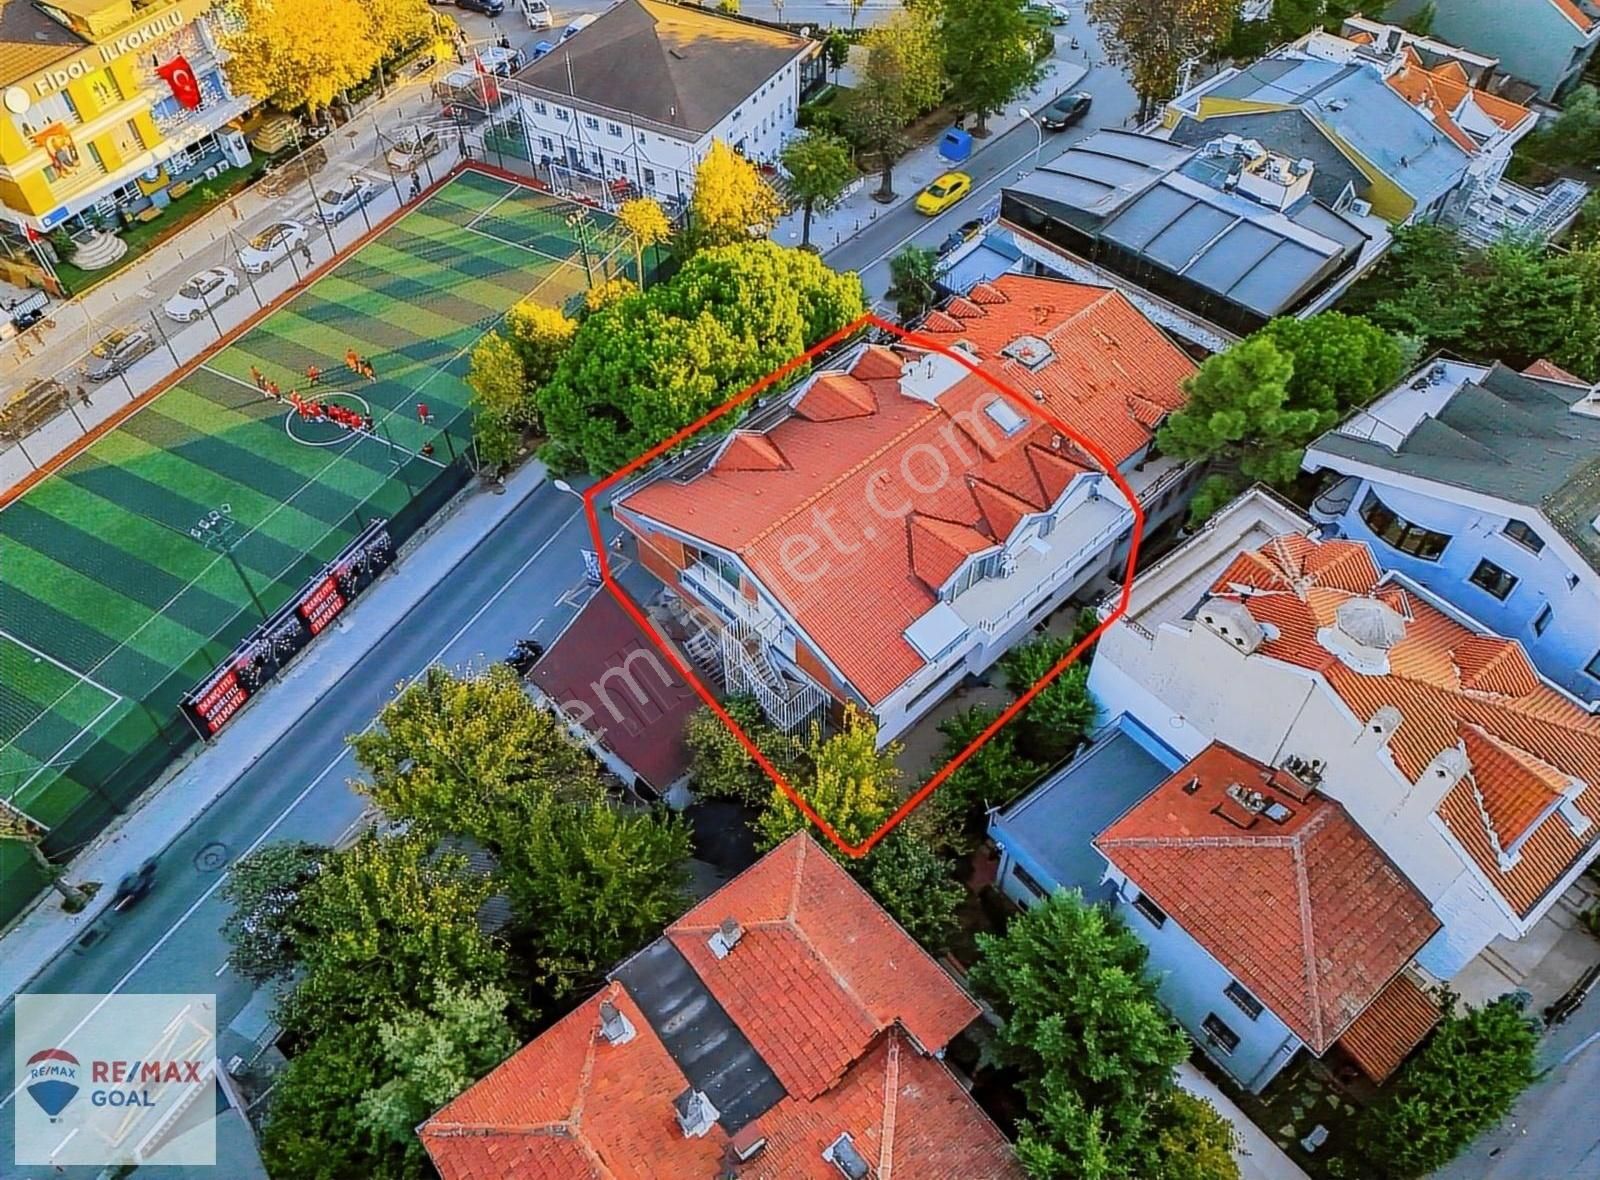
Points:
1004	415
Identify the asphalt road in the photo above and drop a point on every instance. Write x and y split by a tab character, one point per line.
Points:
507	587
995	163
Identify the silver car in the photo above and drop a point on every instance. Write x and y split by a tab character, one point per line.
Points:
336	204
117	353
202	292
271	246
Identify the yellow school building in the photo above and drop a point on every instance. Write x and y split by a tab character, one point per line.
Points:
105	105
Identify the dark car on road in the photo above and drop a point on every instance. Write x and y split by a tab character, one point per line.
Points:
116	353
487	7
959	237
1066	110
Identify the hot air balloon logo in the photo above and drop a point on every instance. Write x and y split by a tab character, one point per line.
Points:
52	1080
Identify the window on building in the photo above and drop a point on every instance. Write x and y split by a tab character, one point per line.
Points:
1542	620
539	107
1398	533
94	154
599	160
591	123
1247	1003
722	566
1491	578
1519	532
1219	1034
546	144
614	129
1156	915
1027	881
650	177
563	114
105	90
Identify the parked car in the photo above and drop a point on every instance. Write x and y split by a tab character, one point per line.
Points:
413	147
960	237
117	353
1066	110
335	204
487	7
943	193
271	246
578	25
537	14
203	291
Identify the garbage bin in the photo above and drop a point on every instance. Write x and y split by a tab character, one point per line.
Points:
956	145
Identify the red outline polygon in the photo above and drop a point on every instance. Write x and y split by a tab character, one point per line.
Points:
1024	404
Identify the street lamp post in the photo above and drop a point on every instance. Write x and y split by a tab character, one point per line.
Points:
219	532
1039	147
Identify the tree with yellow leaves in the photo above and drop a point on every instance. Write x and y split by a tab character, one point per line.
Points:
301	54
646	225
732	202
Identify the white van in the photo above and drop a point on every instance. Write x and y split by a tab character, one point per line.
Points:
537	14
577	26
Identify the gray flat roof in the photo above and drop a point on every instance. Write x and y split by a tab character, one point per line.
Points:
1054	824
1510	436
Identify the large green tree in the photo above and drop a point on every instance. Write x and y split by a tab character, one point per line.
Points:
988	54
470	756
428	1056
995	773
903	77
310	1133
720	765
819	167
641	370
1082	1026
589	884
263	926
385	925
1063	712
913	282
1464	1080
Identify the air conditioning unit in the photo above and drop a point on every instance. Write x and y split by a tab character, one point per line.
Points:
1008	565
1361	208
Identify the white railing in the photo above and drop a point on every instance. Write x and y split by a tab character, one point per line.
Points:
1063	572
788	703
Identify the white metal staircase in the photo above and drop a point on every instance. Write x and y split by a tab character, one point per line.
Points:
789	703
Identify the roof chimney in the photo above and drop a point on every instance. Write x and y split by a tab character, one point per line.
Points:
1233	623
747	1144
725	937
616	1028
695	1113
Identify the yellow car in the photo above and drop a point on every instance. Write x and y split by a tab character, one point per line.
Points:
943	193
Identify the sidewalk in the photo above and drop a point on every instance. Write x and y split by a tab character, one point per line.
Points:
920	166
196	782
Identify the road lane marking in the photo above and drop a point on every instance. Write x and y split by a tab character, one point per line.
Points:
301	797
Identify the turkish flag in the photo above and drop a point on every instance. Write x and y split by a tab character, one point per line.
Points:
180	78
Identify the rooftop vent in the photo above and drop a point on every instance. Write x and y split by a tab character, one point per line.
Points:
1193	785
1364	631
842	1154
725	937
747	1144
1240	806
1032	351
1298	777
695	1113
1230	620
616	1028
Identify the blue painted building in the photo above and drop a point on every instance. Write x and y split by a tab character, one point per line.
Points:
1273	922
1483	485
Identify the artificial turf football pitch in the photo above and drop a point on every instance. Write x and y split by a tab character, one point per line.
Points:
110	610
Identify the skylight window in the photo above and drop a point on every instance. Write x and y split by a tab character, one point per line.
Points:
1004	415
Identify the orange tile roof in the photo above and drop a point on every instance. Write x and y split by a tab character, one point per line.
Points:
1392	1025
1444	90
1575	14
1307	913
1526	742
841	1004
1550	371
853	460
